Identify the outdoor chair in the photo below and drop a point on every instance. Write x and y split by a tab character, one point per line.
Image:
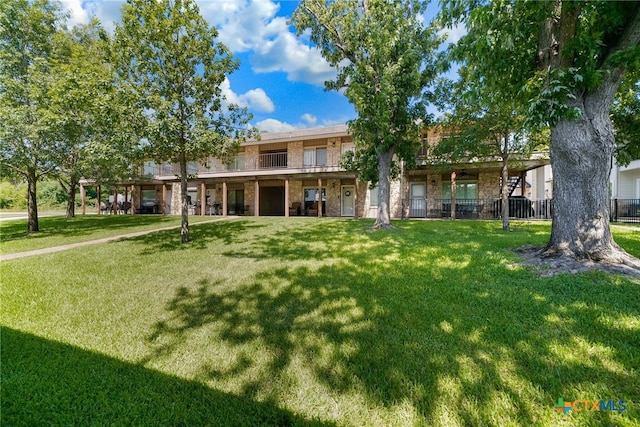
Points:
295	208
313	210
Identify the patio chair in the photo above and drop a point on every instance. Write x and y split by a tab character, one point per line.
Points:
313	210
295	209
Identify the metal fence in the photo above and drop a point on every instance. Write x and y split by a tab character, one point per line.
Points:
622	210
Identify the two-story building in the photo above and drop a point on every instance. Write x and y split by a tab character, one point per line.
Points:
297	173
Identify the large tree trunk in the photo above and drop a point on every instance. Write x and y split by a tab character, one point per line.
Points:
32	203
383	220
71	197
581	159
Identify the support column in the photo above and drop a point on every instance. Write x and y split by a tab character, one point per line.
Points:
164	199
257	199
83	198
203	198
286	197
126	197
134	195
99	202
319	197
355	197
224	198
114	206
523	181
453	195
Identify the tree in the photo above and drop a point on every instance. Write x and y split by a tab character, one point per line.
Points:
86	112
625	114
484	118
569	59
169	56
27	31
384	59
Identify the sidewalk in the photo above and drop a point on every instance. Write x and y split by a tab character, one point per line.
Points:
60	248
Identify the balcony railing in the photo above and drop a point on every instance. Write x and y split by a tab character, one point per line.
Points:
622	210
272	160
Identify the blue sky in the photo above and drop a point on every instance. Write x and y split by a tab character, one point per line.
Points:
281	75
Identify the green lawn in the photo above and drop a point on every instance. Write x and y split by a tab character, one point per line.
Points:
57	230
280	321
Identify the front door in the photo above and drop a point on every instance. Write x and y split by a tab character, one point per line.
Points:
418	205
347	200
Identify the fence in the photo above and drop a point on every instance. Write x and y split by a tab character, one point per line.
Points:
622	210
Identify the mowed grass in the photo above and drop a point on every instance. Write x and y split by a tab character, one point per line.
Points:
274	321
58	230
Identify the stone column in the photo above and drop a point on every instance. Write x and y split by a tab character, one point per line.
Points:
203	199
320	197
256	199
164	199
83	198
286	197
224	198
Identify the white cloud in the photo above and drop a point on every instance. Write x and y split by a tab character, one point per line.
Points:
454	34
246	25
77	14
254	99
275	126
310	119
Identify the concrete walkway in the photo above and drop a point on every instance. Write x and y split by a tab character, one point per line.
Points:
52	249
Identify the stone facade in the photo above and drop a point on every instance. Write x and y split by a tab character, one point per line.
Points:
295	156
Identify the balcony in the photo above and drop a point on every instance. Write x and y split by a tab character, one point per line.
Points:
272	160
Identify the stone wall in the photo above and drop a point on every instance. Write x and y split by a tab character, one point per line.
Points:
295	156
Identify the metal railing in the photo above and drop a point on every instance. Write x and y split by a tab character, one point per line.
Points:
622	210
625	210
272	160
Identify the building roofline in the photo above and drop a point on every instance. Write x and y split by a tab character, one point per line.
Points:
301	135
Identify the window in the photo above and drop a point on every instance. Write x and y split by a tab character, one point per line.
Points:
192	168
348	147
311	196
236	163
464	190
373	197
310	157
149	168
315	157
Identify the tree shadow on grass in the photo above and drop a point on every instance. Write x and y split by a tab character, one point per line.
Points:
49	383
202	236
451	331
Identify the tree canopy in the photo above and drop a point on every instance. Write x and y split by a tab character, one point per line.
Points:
27	145
565	60
384	58
169	57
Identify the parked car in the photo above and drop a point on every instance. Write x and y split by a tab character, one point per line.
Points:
519	207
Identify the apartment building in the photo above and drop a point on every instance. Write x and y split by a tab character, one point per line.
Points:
297	173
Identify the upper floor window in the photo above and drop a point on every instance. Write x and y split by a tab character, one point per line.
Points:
236	163
149	168
348	147
315	157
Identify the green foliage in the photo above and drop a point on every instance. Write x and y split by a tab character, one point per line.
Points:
384	58
168	56
12	195
27	32
625	114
